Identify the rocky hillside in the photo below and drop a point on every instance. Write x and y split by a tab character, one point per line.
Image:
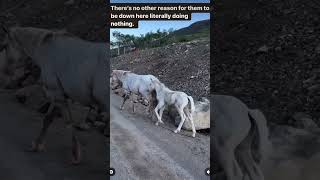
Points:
86	19
194	28
181	66
267	54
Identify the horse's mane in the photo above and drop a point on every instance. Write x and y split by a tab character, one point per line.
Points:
33	31
30	38
64	33
162	86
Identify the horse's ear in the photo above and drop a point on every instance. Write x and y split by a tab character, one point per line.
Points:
117	73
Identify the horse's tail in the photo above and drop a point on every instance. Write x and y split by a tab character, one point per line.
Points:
261	135
191	104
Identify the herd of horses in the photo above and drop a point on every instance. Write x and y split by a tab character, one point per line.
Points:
73	69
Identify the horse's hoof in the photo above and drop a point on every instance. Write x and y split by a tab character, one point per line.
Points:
41	147
37	147
33	148
75	161
175	131
193	135
157	123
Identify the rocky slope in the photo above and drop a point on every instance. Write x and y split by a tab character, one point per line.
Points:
264	53
182	66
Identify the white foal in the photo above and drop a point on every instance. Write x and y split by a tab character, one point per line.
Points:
180	100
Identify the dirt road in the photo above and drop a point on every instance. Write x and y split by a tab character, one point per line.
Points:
142	150
20	125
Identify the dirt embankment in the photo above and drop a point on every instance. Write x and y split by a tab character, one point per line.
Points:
85	19
264	51
182	66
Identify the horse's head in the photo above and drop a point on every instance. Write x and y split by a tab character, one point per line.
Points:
22	42
116	77
115	84
118	74
11	48
157	85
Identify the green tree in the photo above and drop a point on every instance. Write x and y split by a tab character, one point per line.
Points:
119	40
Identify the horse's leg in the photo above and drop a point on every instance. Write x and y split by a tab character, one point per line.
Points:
133	102
252	168
228	162
189	115
125	98
193	128
75	142
183	118
159	106
245	154
160	116
161	112
133	110
38	144
76	150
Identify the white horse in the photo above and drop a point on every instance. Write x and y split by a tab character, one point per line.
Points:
71	69
133	83
240	138
180	100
